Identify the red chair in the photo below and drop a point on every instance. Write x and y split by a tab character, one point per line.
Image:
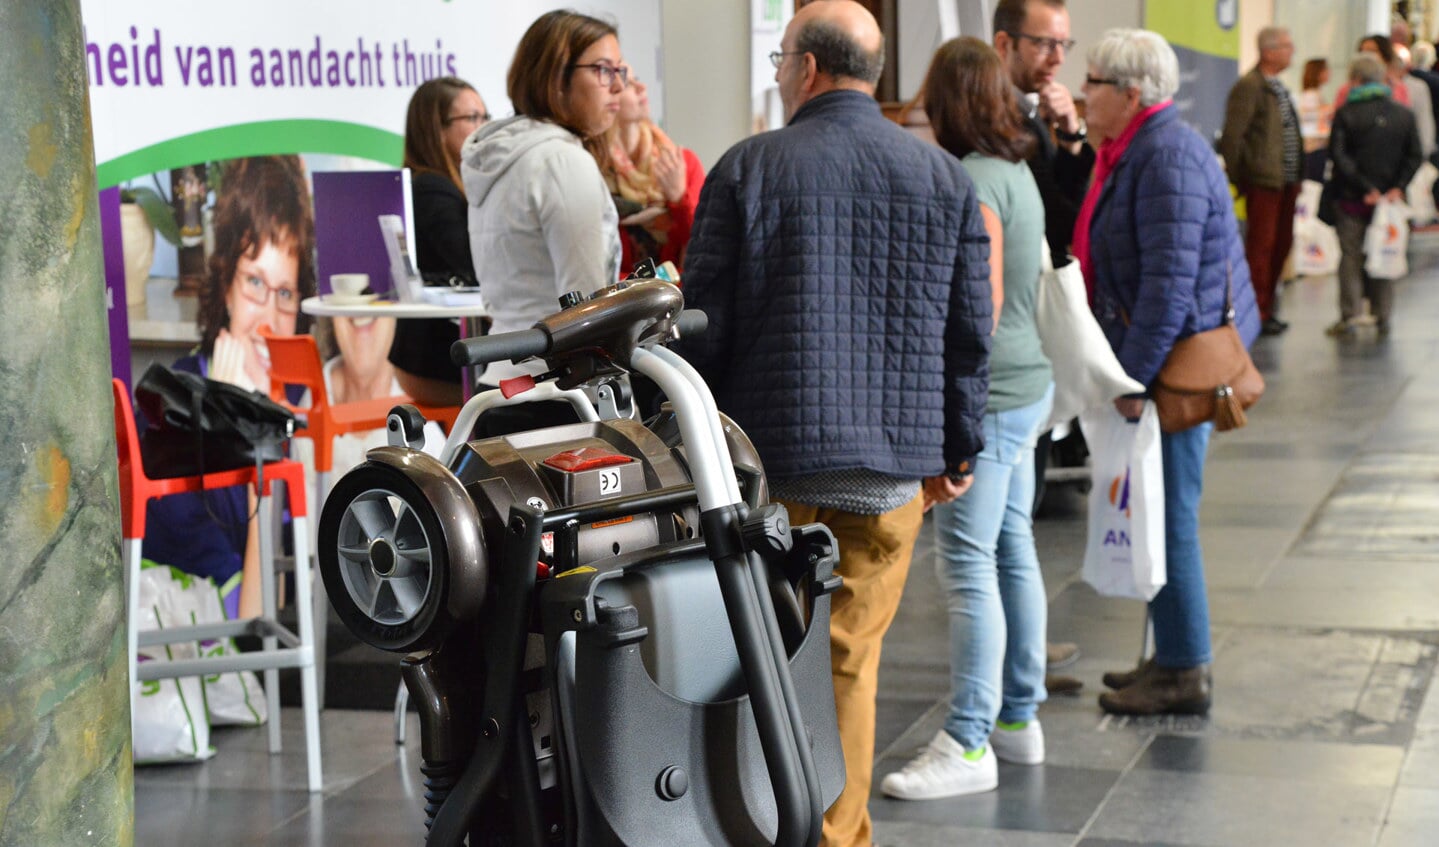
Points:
298	651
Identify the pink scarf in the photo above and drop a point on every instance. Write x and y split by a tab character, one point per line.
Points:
1110	152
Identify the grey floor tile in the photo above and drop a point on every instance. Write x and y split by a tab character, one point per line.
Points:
1413	819
1034	799
1239	811
910	834
176	815
1241	557
1394	607
1418	575
1326	685
384	809
1299	761
1421	764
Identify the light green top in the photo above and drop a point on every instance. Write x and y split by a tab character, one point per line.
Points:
1019	372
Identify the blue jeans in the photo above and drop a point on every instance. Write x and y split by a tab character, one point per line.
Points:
1180	611
989	567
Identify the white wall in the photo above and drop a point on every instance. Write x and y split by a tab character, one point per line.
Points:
705	61
1088	20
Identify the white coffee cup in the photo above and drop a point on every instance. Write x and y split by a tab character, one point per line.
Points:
349	285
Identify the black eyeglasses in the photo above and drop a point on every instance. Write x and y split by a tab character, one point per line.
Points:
777	56
472	117
607	74
1092	81
1045	45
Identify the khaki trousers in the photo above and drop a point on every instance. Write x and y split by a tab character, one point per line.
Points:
874	554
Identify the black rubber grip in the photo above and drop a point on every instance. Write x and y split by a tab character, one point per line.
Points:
481	350
692	322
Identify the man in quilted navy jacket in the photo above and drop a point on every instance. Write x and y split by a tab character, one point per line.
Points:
844	267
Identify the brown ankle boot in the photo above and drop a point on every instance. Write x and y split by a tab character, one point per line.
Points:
1162	691
1124	679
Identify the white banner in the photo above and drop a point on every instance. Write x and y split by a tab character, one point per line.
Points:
173	83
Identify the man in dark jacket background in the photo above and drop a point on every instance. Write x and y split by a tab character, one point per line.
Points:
844	267
1264	155
1032	39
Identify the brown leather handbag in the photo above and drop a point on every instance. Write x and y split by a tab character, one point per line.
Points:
1208	377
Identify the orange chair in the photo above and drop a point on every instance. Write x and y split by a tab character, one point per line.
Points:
295	360
298	650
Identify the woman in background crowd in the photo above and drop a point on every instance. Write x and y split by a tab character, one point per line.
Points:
655	183
987	560
1157	240
1314	117
261	268
543	219
443	112
1375	147
1381	47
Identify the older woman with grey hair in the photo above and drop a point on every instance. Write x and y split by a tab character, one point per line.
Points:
1157	240
1374	145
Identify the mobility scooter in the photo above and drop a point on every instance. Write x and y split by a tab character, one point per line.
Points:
610	635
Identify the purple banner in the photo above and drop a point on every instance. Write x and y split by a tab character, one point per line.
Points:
348	205
114	246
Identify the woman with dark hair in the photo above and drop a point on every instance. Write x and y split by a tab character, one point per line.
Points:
542	216
1158	243
1381	47
261	268
986	559
1314	116
443	113
655	182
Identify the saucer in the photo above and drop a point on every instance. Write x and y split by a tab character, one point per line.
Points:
349	299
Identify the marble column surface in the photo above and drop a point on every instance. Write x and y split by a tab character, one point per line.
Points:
65	772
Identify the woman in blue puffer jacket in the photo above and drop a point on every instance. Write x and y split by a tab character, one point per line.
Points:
1157	240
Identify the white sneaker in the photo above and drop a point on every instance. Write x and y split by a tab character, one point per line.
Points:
941	770
1023	746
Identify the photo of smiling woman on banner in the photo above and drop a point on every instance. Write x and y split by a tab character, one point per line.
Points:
261	267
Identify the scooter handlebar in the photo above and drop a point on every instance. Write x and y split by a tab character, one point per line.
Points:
507	346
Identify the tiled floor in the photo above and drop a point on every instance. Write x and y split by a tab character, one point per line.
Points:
1320	522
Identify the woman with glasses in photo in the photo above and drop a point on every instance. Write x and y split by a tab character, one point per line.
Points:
261	268
442	113
542	221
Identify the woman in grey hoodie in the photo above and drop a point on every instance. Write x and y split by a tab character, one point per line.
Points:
541	219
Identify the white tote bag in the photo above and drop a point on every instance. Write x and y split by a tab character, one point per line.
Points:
1124	556
1316	245
1386	243
1086	373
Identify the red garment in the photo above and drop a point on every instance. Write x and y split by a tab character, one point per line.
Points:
1110	153
681	220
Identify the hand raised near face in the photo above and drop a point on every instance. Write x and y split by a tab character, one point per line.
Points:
1056	107
669	170
228	361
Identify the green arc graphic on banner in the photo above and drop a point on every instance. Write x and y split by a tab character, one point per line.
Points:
262	138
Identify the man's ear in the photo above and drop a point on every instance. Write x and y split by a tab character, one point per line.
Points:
1003	44
810	72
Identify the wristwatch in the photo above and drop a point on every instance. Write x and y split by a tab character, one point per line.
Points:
1072	137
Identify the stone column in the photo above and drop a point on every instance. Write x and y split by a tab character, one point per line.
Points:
65	772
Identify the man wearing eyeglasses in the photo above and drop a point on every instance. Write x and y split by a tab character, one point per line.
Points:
843	264
1032	38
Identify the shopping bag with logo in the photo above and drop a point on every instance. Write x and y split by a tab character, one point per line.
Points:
1316	245
1086	371
1420	195
1124	556
169	720
1386	243
231	699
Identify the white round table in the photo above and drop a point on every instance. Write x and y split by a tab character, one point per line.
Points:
469	315
322	307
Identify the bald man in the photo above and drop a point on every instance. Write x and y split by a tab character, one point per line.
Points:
844	267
